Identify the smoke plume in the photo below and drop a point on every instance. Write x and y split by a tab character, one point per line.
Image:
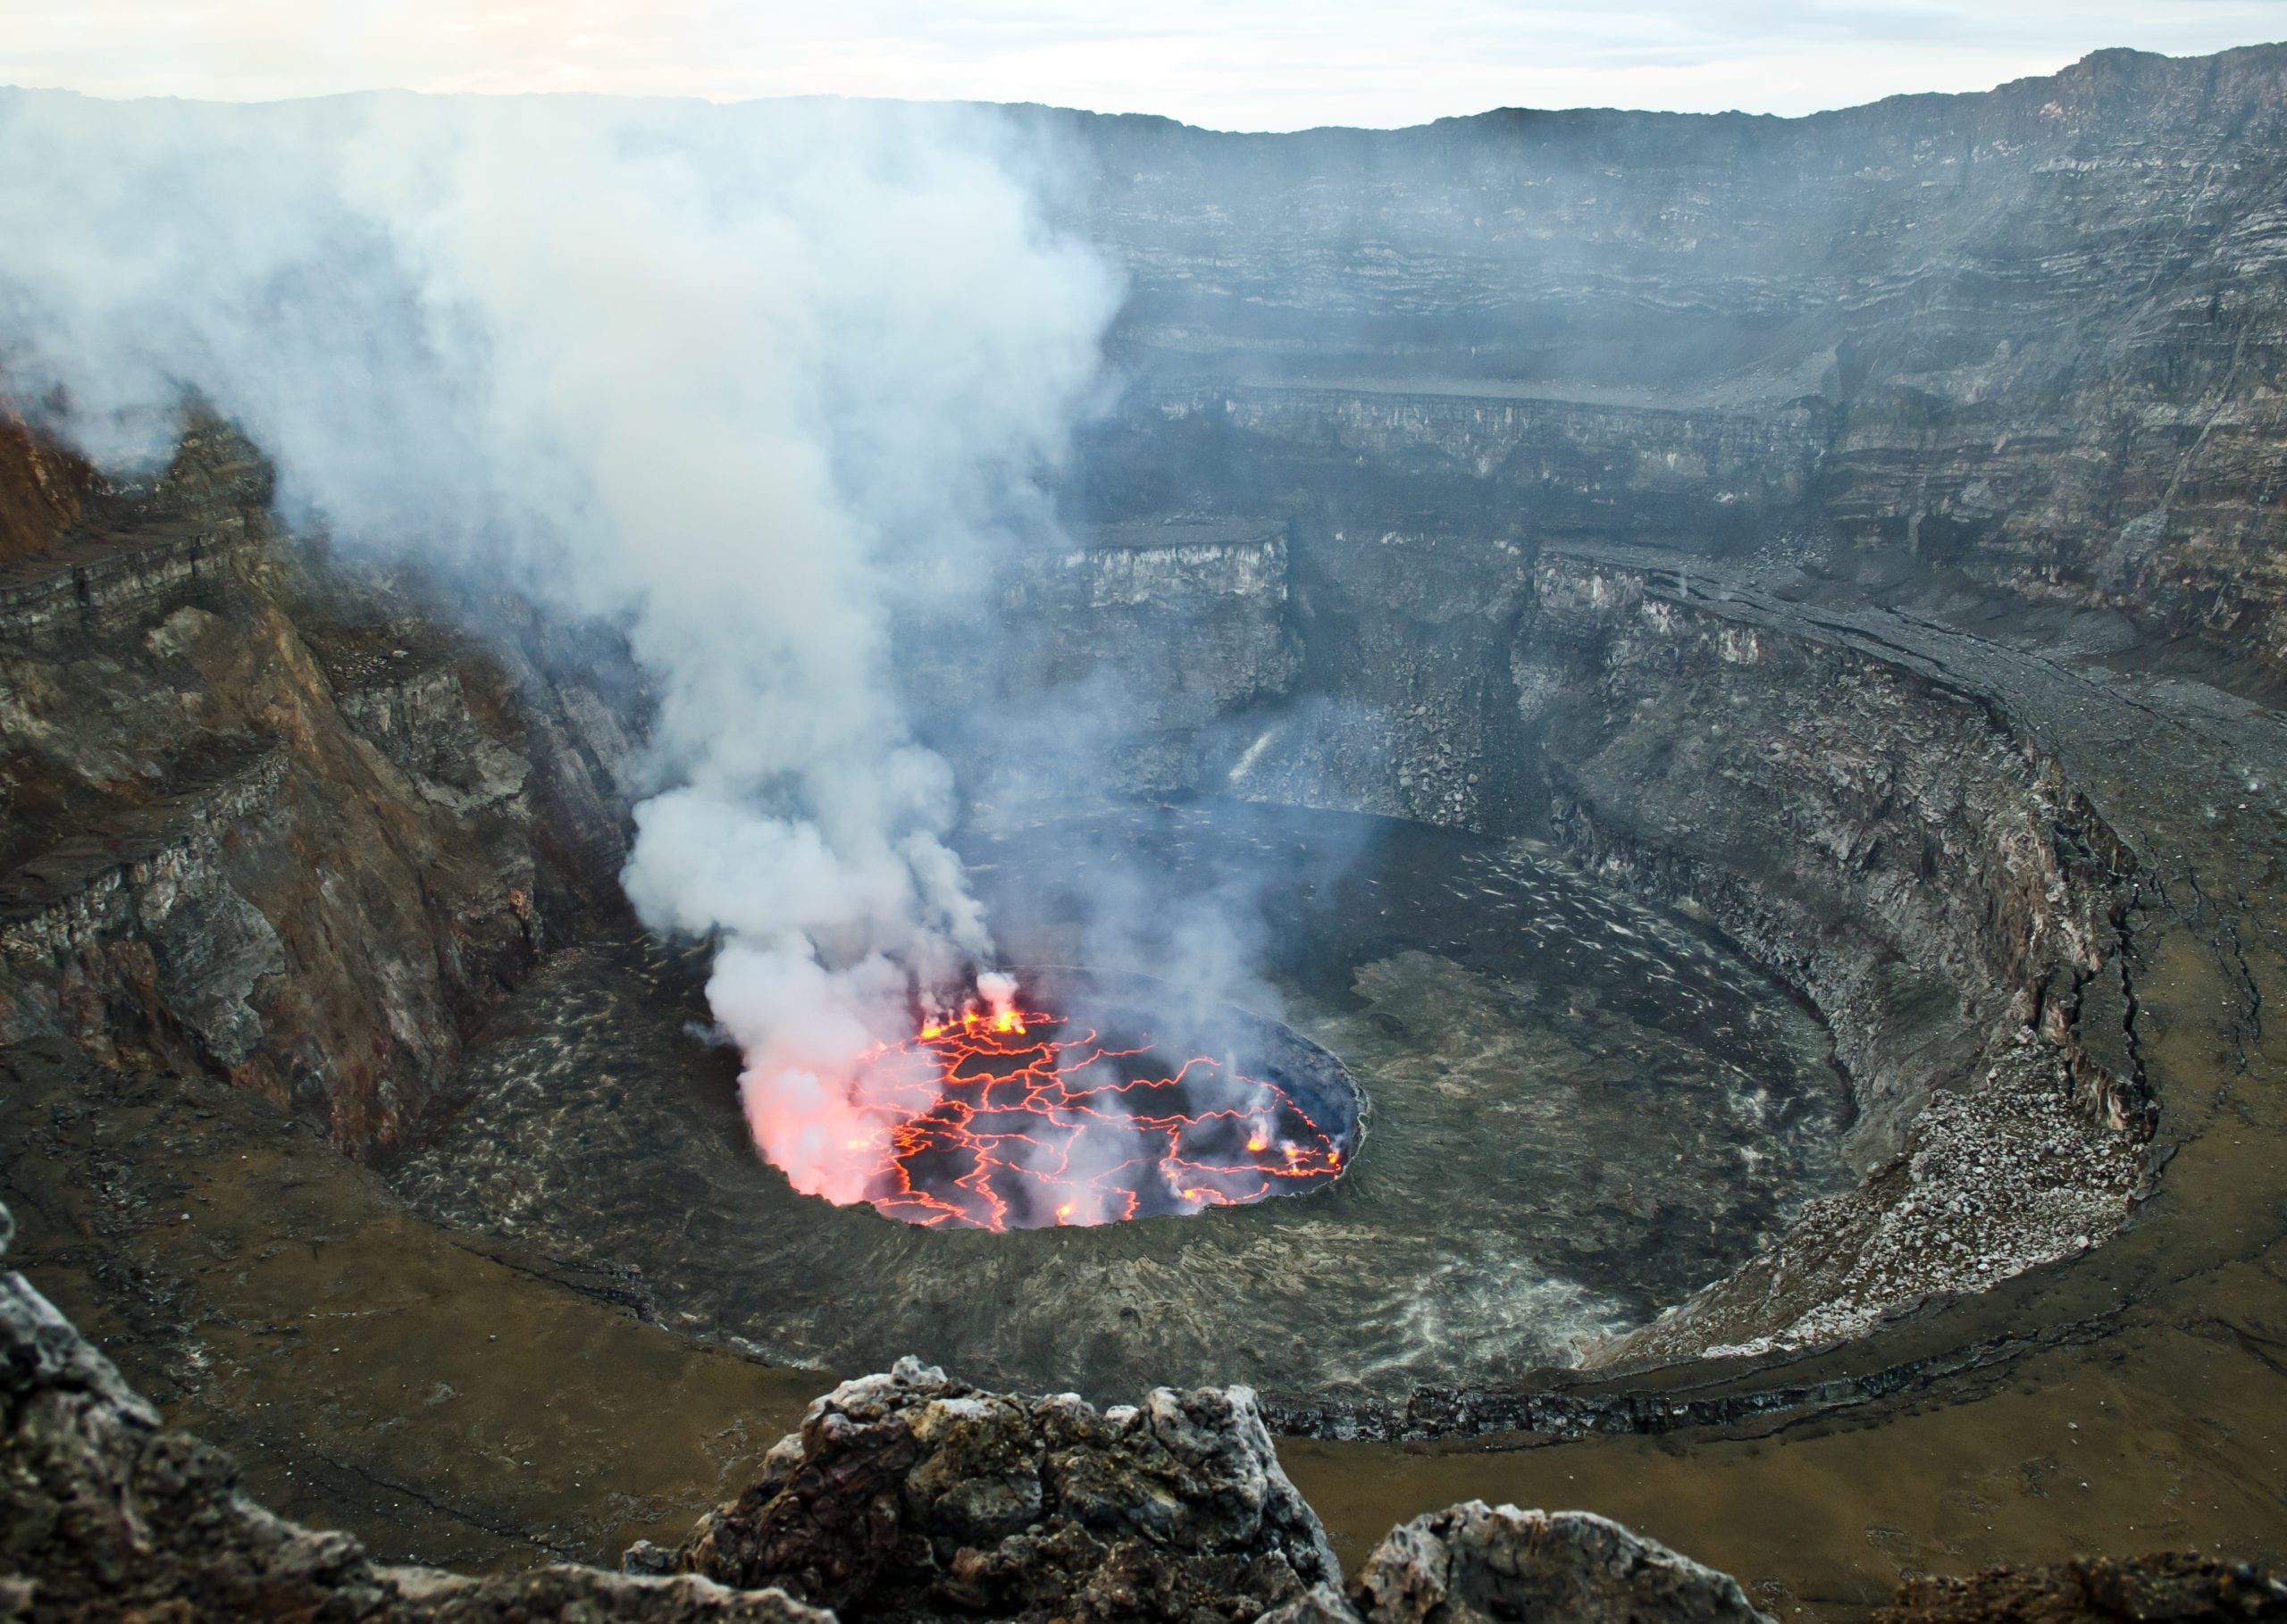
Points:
734	379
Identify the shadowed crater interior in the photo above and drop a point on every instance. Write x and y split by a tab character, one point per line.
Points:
1582	1110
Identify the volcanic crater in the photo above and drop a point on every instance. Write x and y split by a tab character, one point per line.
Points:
1578	1109
1737	669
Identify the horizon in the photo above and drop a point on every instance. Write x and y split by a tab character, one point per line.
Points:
1269	69
915	100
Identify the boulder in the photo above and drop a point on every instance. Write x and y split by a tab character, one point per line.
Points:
1473	1564
909	1494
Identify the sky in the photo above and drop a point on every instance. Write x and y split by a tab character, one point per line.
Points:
1232	64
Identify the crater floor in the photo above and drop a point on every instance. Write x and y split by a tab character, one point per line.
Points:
1579	1110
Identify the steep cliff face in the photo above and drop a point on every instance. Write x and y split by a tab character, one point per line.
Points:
2033	335
1882	838
1874	822
1152	633
1403	708
1675	486
255	828
1915	868
42	488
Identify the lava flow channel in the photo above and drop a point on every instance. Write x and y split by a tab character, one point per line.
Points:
1021	1119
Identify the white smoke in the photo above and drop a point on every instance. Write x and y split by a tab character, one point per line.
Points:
735	377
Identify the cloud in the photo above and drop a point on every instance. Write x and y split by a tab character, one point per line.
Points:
741	380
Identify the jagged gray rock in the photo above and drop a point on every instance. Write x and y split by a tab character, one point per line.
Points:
907	1497
910	1494
1319	1604
104	1514
586	1594
1472	1562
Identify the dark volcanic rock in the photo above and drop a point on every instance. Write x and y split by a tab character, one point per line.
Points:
2032	334
910	1495
1474	1563
104	1514
2167	1588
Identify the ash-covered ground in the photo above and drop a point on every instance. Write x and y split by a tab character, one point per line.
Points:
1579	1111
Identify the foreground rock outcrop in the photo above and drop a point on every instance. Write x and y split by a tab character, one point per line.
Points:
905	1496
1475	1563
106	1514
908	1494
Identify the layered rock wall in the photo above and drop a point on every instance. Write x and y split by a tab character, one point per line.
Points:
1590	432
255	828
2033	335
42	488
1885	842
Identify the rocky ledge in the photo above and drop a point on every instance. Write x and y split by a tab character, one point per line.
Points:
905	1496
912	1496
106	1514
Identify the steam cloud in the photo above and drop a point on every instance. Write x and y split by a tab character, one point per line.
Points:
740	380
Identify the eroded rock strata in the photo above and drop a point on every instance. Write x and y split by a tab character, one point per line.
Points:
288	833
2031	334
1859	533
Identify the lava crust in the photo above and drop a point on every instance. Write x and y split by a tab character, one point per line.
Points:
1024	1118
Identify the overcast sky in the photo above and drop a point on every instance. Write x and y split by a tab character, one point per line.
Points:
1276	64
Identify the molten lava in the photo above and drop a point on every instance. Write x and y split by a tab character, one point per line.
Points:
1007	1117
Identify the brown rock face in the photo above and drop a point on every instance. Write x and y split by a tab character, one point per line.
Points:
42	488
260	823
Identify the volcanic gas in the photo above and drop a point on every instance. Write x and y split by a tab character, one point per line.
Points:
1068	1103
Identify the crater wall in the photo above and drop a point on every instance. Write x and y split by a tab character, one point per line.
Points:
2032	335
301	838
1700	495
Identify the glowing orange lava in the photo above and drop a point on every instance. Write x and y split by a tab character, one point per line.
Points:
1005	1117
